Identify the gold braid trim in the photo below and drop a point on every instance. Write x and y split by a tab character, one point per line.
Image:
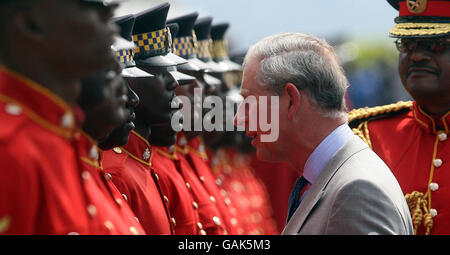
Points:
411	29
418	206
363	114
363	132
366	112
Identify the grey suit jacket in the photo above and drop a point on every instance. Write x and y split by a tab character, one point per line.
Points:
355	193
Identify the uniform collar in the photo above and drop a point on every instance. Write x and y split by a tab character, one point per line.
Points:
42	106
168	152
139	149
197	146
181	144
432	124
87	149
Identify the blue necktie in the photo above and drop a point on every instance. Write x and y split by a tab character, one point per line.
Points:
294	198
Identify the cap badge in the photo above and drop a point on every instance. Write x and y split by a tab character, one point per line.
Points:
416	6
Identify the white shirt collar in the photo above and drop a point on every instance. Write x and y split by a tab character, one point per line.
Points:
325	151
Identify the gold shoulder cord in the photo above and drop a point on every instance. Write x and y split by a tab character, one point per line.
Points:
365	113
418	206
418	202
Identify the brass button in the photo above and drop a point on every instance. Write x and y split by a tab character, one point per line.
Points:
166	199
119	201
13	109
433	212
202	178
442	137
213	199
108	176
117	150
133	230
188	185
217	220
195	205
85	175
125	197
174	222
437	162
92	210
67	120
108	224
434	186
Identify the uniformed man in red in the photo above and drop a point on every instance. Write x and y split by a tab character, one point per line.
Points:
42	185
215	215
130	165
412	137
104	100
182	206
235	176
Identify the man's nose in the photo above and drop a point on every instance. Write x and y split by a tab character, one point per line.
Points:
172	83
133	98
419	54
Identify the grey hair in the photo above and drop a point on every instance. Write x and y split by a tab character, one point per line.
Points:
307	62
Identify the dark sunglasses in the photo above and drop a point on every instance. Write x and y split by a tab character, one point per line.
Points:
432	45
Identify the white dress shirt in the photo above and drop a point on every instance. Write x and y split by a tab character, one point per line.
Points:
325	151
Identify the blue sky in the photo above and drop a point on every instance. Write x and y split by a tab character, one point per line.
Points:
252	20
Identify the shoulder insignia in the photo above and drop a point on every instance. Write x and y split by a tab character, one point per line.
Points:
359	118
384	110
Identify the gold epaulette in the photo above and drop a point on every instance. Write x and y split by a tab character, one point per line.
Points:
366	112
358	118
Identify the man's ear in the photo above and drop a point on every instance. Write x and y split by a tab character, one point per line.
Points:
292	93
30	24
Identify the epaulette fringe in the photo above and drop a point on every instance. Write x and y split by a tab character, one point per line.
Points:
366	112
360	117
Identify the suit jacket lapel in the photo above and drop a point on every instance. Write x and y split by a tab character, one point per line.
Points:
317	189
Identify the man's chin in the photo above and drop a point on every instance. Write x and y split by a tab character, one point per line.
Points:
118	137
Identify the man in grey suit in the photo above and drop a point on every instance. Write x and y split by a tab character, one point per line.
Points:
344	187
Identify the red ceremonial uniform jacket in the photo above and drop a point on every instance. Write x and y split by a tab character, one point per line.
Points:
278	178
131	172
105	200
209	214
43	189
234	174
416	148
197	157
182	207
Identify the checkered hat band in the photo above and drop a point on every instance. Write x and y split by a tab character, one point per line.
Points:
151	44
220	49
204	49
184	46
125	56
